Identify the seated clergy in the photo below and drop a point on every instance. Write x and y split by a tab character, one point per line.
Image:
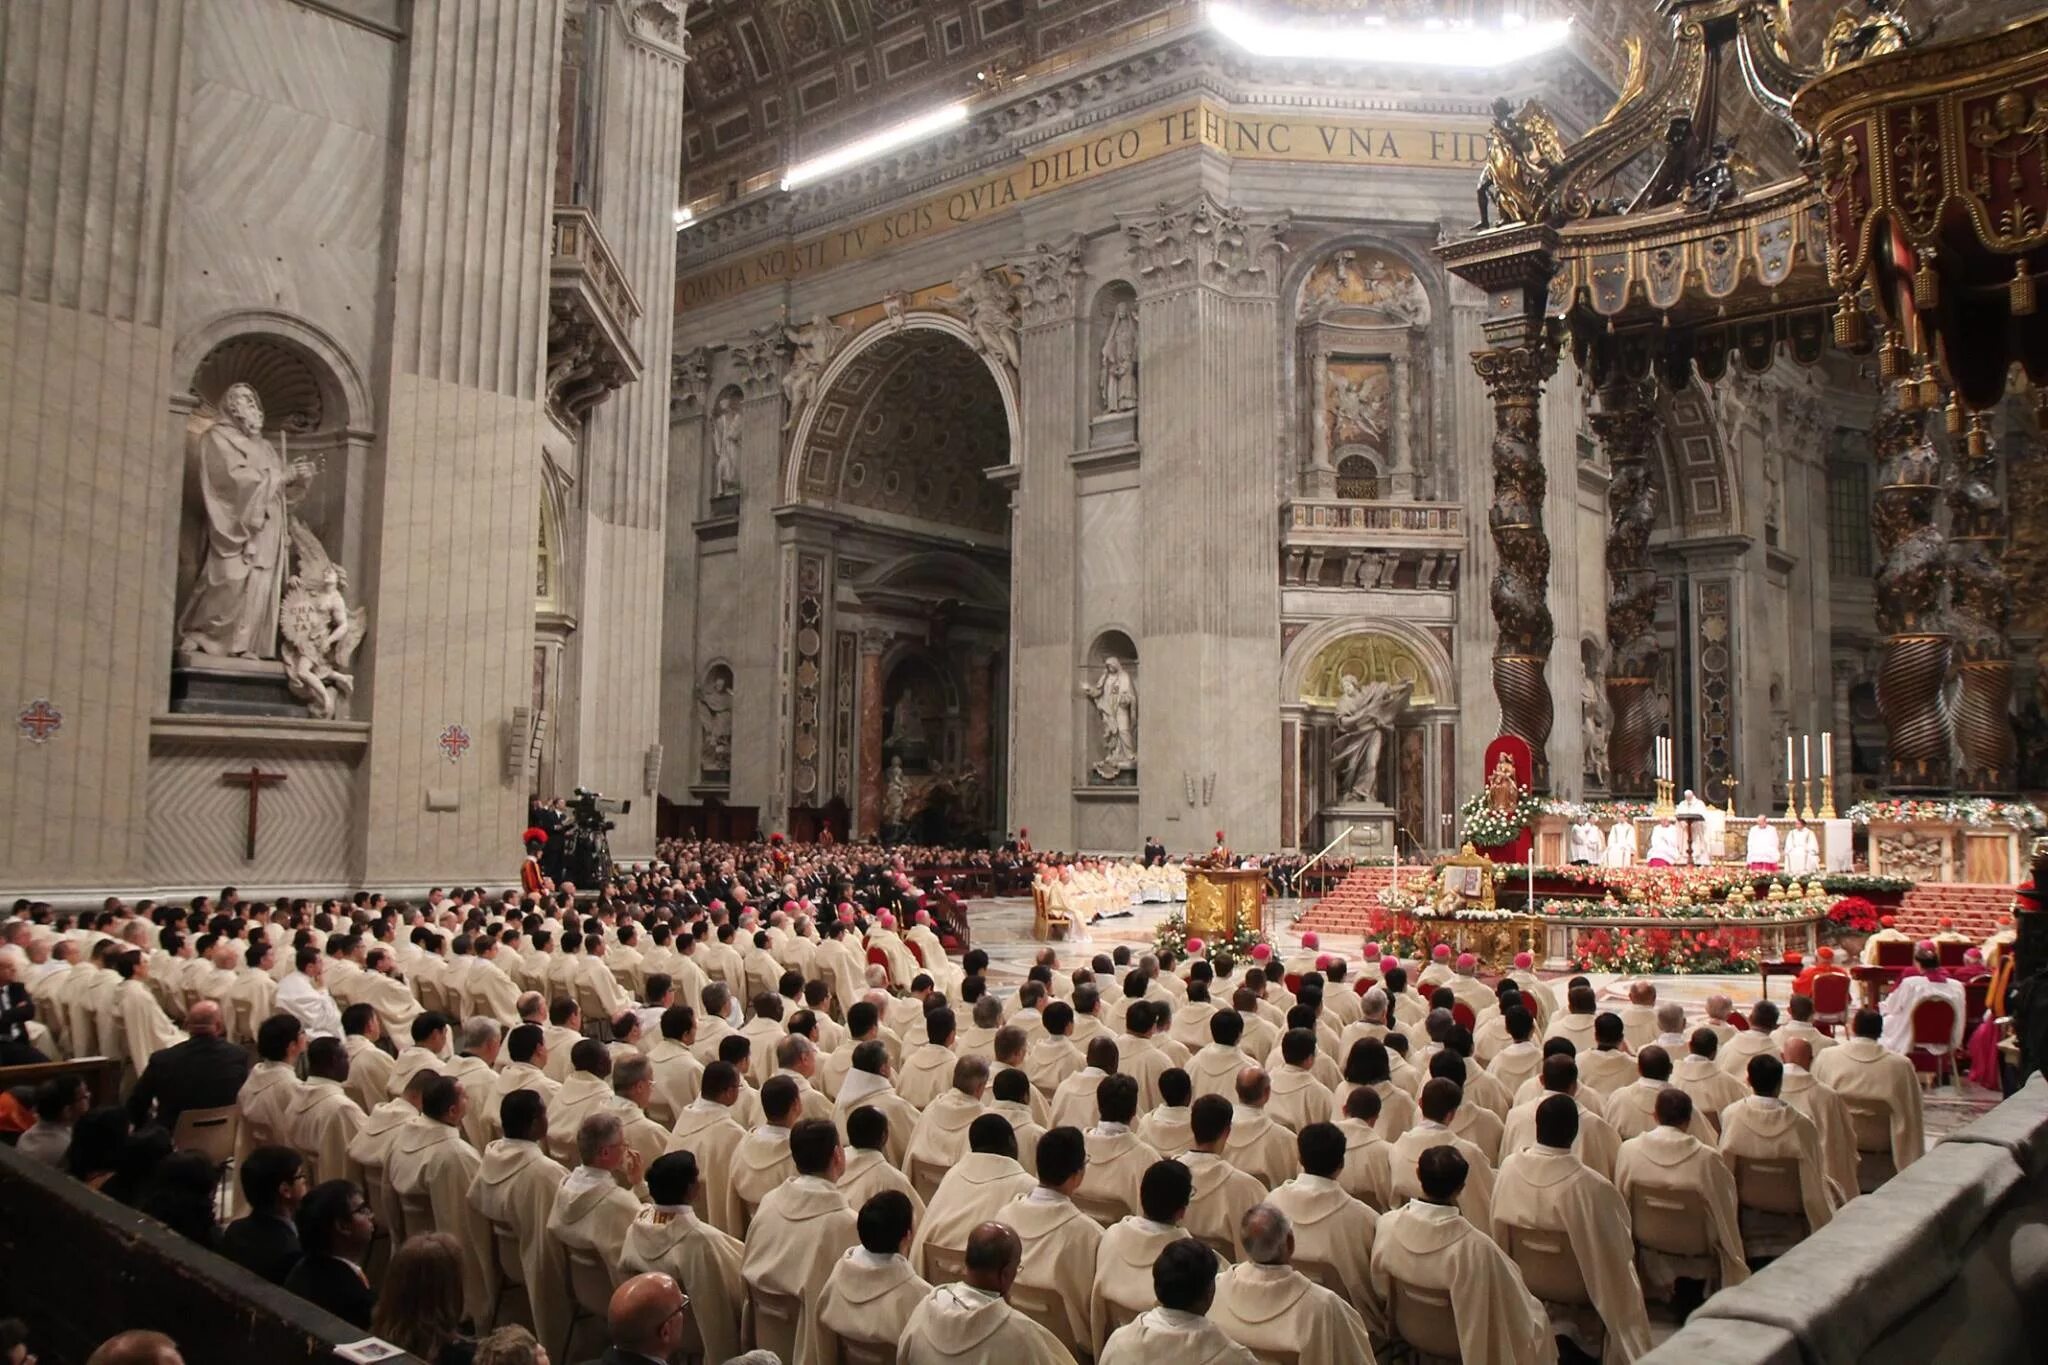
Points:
515	1189
1754	1041
1608	1063
1699	1075
1177	1328
870	1082
1166	1127
1299	1098
1521	1057
1369	1064
432	1163
1015	1097
369	1066
868	1172
708	1130
1865	1074
1596	1142
1474	1122
1764	1127
1332	1228
1266	1304
1800	1025
1428	1244
985	1180
1123	1285
1830	1118
1117	1157
762	1160
677	1072
1222	1193
1258	1146
928	1068
595	1205
1926	982
322	1120
1440	1102
1213	1070
1059	1241
1367	1173
1056	1056
1632	1109
428	1052
1670	1159
940	1138
273	1083
800	1230
1547	1188
587	1091
871	1292
1073	1104
667	1236
969	1321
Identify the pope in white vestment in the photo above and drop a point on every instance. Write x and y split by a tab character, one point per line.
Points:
1763	846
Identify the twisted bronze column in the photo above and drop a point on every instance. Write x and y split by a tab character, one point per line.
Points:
1980	606
1913	660
1624	426
1514	375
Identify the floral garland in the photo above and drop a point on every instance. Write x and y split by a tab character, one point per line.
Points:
1680	952
1485	827
1787	908
1604	812
1973	810
1172	937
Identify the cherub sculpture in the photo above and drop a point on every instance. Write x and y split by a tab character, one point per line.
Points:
319	629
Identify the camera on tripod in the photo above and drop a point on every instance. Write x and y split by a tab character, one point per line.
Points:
591	810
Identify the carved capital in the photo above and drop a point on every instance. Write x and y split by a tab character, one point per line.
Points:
689	379
758	361
1201	242
657	21
1514	374
874	641
1050	281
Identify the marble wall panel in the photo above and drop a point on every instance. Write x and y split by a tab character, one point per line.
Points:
198	824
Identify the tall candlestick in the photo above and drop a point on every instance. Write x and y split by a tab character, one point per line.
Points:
1827	753
1805	758
1790	772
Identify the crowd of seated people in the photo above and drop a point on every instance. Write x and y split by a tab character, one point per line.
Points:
486	1111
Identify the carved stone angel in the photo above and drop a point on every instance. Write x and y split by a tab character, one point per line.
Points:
318	627
984	300
812	346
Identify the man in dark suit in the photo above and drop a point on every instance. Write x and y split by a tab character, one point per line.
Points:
647	1319
16	1009
267	1241
335	1229
205	1071
1155	852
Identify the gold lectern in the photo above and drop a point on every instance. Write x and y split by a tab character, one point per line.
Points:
1223	901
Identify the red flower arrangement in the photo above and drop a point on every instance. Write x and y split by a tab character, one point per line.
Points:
1853	914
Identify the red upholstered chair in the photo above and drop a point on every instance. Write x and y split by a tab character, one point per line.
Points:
1830	1001
1934	1027
1951	952
1462	1015
1894	953
916	952
1976	998
1738	1021
1362	985
1293	983
878	957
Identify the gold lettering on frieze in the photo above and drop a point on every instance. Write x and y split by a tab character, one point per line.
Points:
1392	142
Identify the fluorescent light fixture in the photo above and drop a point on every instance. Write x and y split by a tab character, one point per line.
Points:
684	218
1434	43
875	144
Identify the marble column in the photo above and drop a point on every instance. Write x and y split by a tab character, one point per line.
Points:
1980	606
868	819
1043	550
1625	424
1913	655
92	97
1514	376
980	672
1208	323
450	641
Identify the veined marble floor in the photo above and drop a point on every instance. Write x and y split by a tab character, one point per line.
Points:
1002	928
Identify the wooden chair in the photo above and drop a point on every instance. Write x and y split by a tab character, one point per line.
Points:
1871	1121
1426	1320
1934	1026
597	1022
415	1214
1273	1355
1102	1209
944	1265
853	1352
773	1318
1549	1266
431	995
1324	1274
1120	1314
216	1133
925	1177
1043	1305
1223	1247
1770	1185
590	1293
1670	1220
511	1278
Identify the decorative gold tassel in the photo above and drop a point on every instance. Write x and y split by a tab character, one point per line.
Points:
1980	437
1851	332
1891	357
1930	390
1954	414
2022	292
1926	286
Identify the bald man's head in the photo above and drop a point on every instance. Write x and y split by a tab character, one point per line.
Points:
137	1348
647	1315
993	1254
1798	1052
203	1020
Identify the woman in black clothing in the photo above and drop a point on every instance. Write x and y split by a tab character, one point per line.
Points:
335	1230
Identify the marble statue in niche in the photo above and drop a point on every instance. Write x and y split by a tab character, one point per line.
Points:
714	714
725	445
895	795
1365	717
318	627
239	495
1115	696
1119	368
1593	710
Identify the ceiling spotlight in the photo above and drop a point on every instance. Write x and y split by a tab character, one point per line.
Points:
684	218
1434	43
910	130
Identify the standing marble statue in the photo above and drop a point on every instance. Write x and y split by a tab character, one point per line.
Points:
984	300
895	796
714	706
242	491
1593	707
1119	381
725	446
1365	716
1116	704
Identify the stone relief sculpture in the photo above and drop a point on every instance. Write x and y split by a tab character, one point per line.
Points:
1593	709
1365	716
812	346
1116	704
319	629
984	300
725	446
1119	375
239	493
714	713
1367	281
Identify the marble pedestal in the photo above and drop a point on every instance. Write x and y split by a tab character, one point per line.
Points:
1370	827
216	685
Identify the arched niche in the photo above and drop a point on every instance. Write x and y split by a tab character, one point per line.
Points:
1106	739
1111	356
922	724
714	701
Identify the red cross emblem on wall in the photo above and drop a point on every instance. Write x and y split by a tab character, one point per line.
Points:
454	742
39	720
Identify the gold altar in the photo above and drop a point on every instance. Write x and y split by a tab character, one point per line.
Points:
1226	900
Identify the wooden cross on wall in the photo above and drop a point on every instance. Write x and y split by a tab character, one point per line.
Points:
255	780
